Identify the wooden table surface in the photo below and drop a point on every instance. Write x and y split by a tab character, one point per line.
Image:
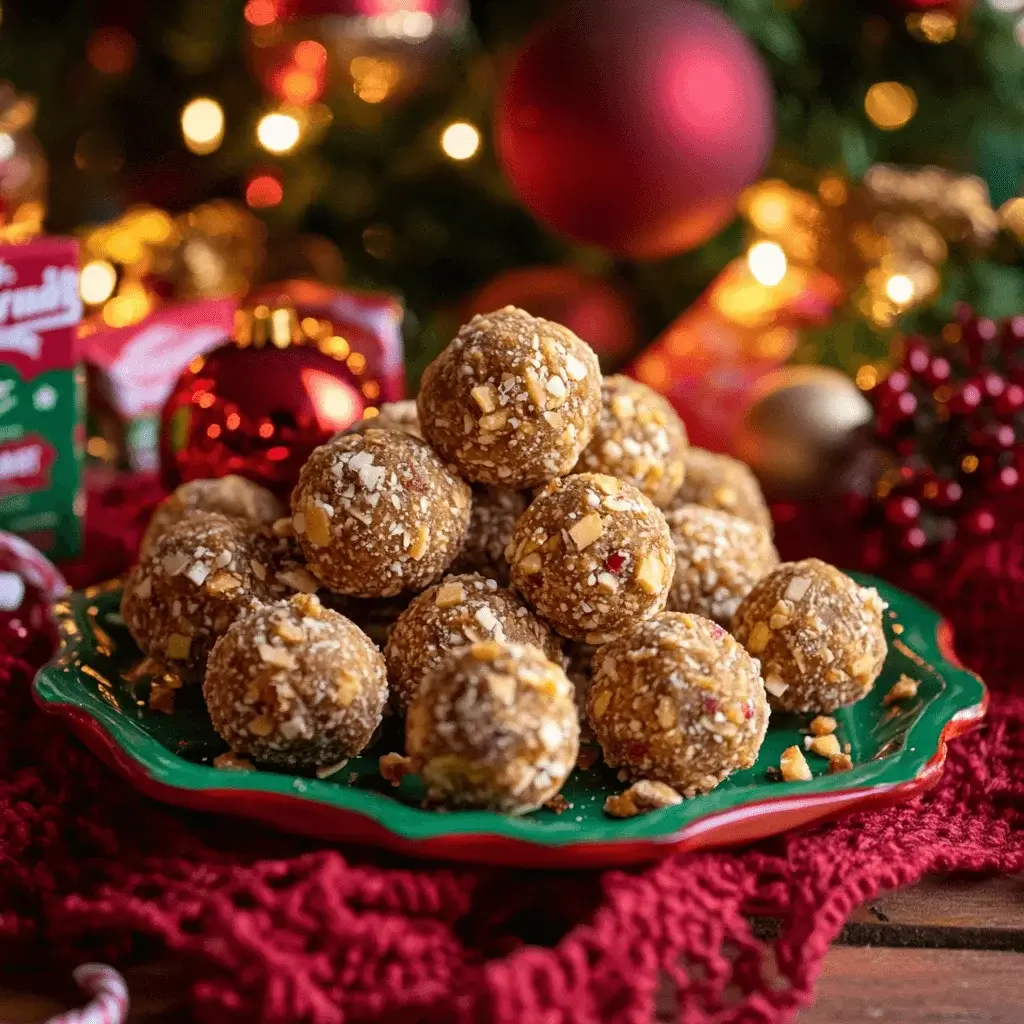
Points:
944	952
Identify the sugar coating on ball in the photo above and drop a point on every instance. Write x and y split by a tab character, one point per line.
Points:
197	579
513	400
295	685
639	438
592	556
491	525
392	416
719	558
459	611
230	495
678	701
817	633
493	726
378	513
723	483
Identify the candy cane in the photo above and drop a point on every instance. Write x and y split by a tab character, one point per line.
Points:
110	997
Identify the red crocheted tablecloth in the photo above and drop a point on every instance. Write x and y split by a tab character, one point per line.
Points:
275	929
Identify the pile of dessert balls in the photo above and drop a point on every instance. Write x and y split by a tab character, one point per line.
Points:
534	549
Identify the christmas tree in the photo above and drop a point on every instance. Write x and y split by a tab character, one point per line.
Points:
361	135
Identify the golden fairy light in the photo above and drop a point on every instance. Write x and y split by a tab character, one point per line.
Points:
900	289
374	78
130	306
867	377
933	26
278	132
97	281
460	140
890	105
769	209
767	262
833	190
202	125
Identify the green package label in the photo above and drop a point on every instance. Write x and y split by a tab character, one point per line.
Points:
41	396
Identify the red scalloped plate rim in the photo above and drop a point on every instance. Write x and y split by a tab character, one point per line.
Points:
733	827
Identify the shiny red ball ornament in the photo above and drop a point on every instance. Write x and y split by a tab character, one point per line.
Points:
948	493
635	126
966	398
257	405
980	521
29	584
589	306
913	539
917	357
1011	401
938	371
902	511
1005	480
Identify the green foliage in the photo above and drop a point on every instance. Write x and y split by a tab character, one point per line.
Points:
449	227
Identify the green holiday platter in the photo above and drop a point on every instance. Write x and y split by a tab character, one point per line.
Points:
898	752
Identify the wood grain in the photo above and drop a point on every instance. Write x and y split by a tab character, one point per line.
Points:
865	985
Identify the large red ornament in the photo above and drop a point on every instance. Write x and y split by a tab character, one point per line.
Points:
635	126
370	323
589	306
258	405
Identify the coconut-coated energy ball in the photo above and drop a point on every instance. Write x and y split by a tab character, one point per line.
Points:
392	416
493	726
719	557
378	513
678	701
817	633
295	685
230	495
459	611
513	400
197	579
592	556
491	525
375	616
720	482
279	561
639	438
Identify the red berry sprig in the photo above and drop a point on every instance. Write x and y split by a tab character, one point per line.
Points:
951	420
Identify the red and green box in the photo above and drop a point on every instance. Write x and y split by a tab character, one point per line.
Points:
41	395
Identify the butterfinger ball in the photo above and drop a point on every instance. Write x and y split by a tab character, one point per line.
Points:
197	579
639	438
491	525
459	611
230	495
378	513
719	558
592	556
722	483
513	400
817	633
295	685
678	701
392	416
493	726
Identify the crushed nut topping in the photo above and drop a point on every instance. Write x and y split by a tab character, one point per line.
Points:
640	798
793	765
